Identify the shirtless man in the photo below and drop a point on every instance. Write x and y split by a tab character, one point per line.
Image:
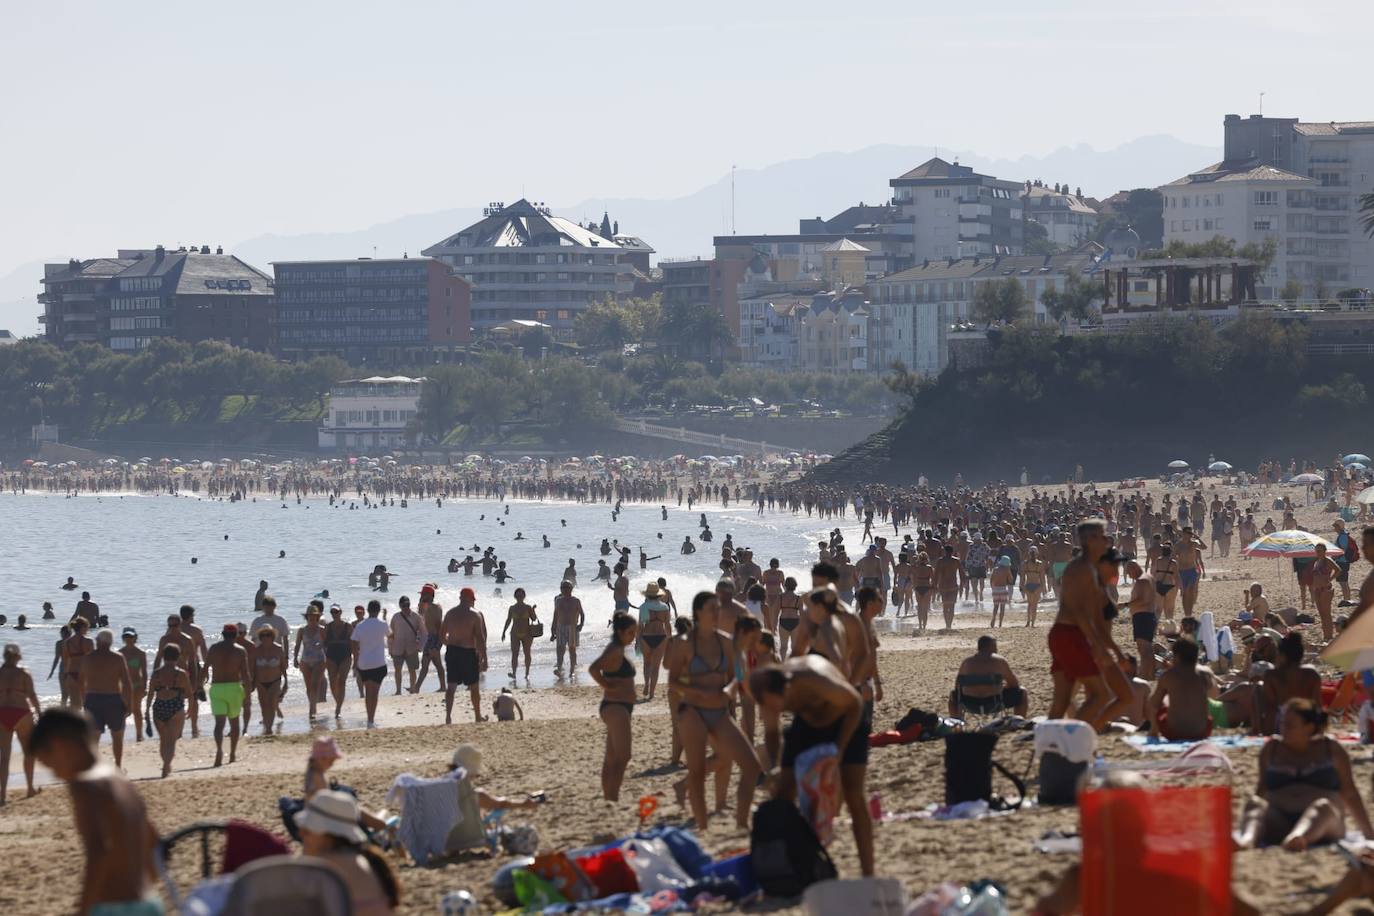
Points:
620	589
746	570
190	660
464	634
1058	553
433	616
730	609
1323	572
825	708
87	609
947	572
570	574
107	691
1365	599
115	833
230	678
889	568
1079	640
75	648
568	619
1188	552
992	684
1178	708
869	570
195	664
1143	607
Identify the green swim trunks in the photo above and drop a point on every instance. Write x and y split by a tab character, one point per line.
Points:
1217	710
226	699
1058	570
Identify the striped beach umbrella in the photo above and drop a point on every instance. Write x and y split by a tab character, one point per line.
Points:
1288	544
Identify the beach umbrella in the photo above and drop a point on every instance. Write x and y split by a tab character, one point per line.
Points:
1354	457
1309	480
1178	464
1357	466
1288	544
1353	649
1217	466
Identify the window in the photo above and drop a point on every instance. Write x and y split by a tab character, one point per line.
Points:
1266	198
942	192
1262	225
1207	225
1140	286
130	324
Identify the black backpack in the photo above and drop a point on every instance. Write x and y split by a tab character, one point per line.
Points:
784	851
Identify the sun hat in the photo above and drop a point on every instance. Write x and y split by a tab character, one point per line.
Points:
1004	562
651	590
325	749
469	758
334	813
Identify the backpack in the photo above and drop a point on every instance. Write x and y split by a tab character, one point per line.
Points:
786	855
1352	550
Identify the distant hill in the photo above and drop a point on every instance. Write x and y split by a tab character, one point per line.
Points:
768	199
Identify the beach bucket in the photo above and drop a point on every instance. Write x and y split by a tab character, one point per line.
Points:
1151	851
856	897
1065	748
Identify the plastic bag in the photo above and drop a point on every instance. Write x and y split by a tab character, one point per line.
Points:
856	897
654	866
565	877
533	892
684	847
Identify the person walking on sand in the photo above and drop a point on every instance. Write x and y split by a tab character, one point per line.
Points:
229	682
110	818
308	657
187	613
137	660
168	689
369	656
568	620
407	636
947	573
464	635
520	620
18	707
107	692
615	674
433	616
338	657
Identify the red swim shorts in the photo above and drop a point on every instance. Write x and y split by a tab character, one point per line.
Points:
1070	652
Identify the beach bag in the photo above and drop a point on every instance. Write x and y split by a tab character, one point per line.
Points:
654	866
1065	748
968	771
1151	851
786	856
610	873
683	846
563	876
856	897
533	892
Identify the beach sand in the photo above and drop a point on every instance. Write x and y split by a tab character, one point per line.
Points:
559	749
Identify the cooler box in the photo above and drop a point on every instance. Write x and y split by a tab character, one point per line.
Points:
1065	748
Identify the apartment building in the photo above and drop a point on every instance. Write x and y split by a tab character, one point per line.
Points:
525	263
1068	218
948	210
1322	246
128	301
372	312
832	334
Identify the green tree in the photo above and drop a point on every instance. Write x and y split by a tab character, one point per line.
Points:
607	325
695	329
1000	302
1291	292
1075	300
1036	238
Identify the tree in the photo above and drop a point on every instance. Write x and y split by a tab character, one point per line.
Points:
607	325
1291	292
1000	302
905	383
695	329
1143	211
1075	300
1036	238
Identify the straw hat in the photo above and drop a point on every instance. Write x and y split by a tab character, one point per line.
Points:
651	590
334	813
469	758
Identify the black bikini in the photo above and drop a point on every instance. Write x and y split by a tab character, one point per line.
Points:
626	670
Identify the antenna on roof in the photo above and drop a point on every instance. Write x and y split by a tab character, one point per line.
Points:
1261	111
732	200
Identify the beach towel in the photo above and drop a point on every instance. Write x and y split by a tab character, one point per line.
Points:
1151	745
429	810
818	788
1207	636
1226	647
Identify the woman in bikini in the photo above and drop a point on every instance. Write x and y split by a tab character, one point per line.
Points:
679	643
520	618
699	676
615	674
165	706
338	656
773	578
789	613
922	583
310	659
901	586
1000	581
269	669
18	709
655	626
748	629
74	649
137	660
1033	583
1305	786
1164	571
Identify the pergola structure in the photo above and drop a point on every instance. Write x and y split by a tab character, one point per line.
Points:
1179	283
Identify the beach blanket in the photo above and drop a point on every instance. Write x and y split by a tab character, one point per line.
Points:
818	788
1151	745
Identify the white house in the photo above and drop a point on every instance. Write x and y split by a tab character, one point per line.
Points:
370	413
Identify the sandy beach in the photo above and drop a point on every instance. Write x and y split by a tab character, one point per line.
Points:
558	749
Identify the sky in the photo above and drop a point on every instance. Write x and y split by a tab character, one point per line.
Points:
129	124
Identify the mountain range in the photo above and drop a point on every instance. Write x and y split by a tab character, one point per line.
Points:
768	199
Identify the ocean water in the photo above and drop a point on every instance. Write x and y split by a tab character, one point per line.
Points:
134	555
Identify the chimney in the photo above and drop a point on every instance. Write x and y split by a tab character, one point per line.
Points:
219	249
204	249
159	252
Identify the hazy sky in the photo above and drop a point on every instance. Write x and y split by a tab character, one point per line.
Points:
133	123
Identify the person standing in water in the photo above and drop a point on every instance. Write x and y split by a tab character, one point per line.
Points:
107	691
568	619
18	708
520	619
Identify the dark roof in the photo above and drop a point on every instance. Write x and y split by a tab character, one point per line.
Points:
91	267
1331	128
935	167
1223	171
196	273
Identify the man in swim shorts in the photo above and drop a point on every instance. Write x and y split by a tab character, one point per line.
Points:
227	662
433	616
464	634
1188	552
107	691
568	619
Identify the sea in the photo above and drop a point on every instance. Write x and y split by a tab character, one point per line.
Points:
143	556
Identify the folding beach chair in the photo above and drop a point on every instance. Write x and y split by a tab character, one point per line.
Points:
208	848
288	886
972	707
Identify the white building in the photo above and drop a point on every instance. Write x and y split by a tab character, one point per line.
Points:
949	210
768	330
1322	245
370	413
1252	204
1068	219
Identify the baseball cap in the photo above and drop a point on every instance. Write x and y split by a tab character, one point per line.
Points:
130	631
428	588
